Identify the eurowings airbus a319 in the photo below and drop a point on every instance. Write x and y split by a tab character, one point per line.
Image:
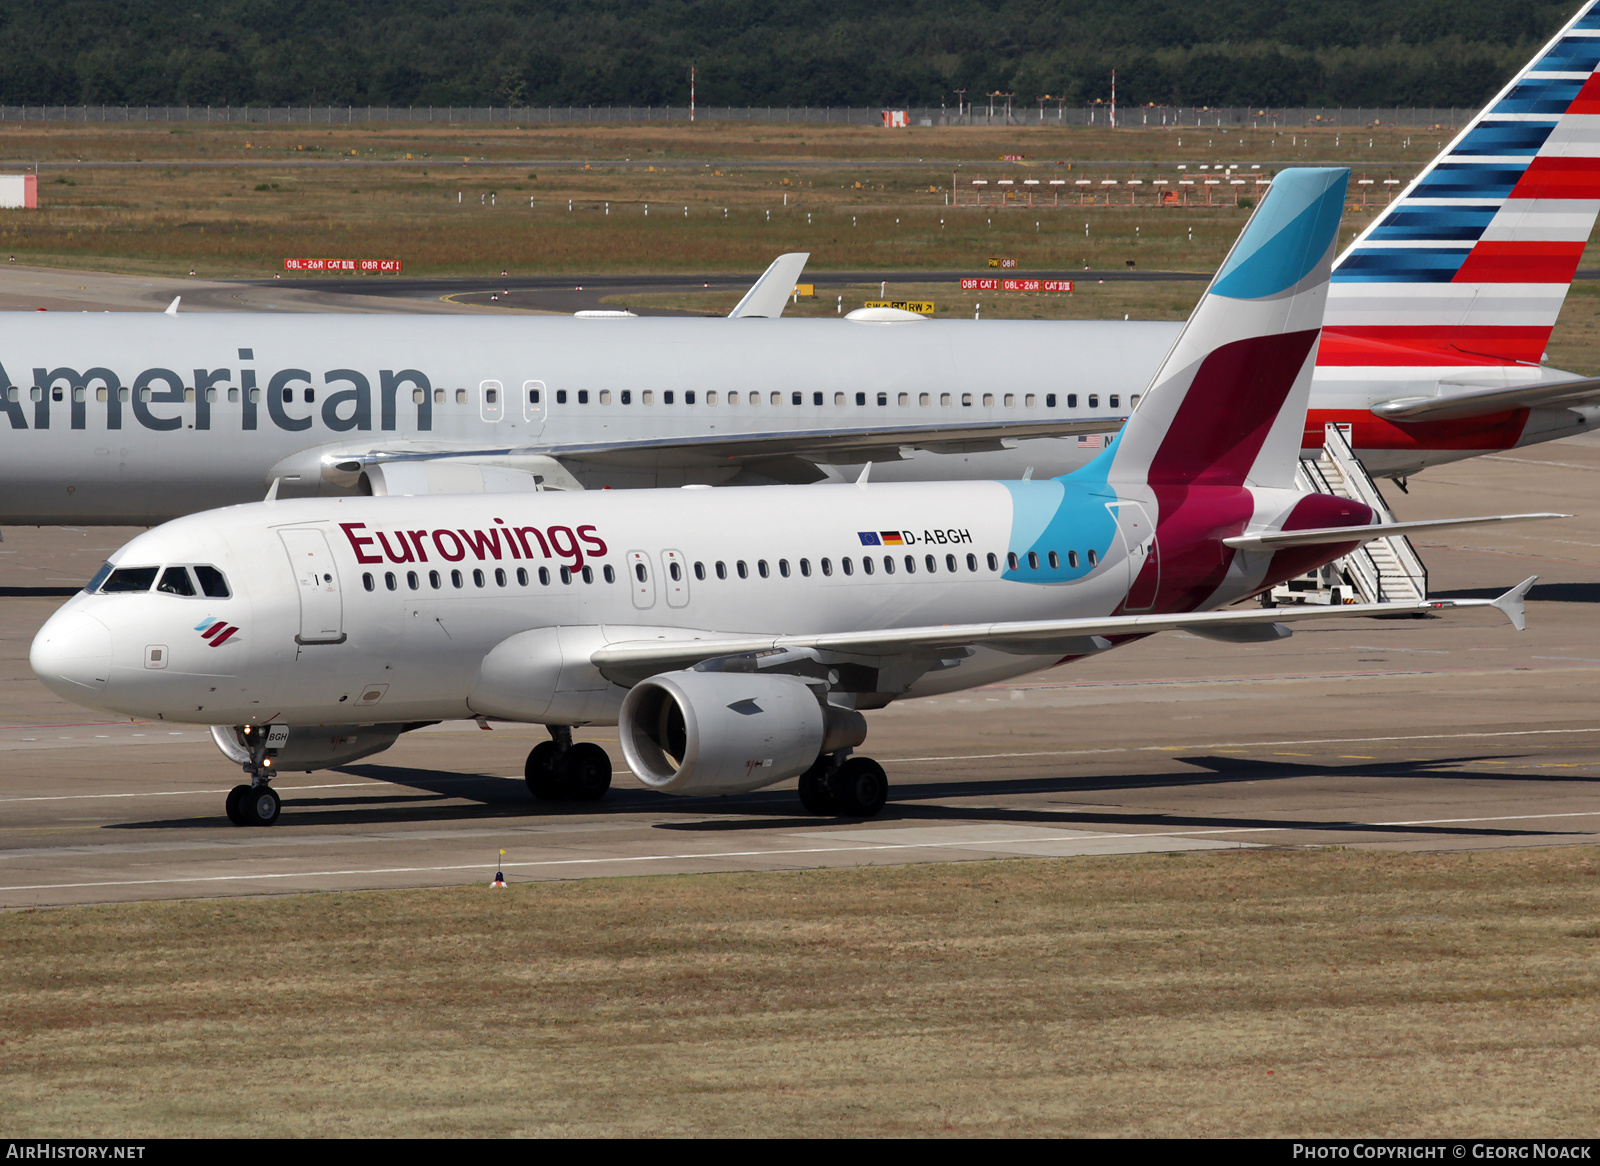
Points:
734	651
1439	315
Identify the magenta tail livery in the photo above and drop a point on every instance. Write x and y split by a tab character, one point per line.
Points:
737	637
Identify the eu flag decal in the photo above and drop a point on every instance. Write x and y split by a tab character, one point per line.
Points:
869	538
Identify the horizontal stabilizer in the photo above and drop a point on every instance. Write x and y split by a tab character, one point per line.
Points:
1481	402
1278	539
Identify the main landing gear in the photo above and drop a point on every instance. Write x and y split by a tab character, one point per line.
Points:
560	771
256	804
855	787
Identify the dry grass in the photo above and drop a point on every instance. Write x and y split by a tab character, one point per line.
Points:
1245	993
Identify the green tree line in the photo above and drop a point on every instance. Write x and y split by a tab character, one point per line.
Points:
764	52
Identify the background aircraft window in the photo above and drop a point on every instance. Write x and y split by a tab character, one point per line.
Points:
1133	401
648	397
867	566
176	581
1049	400
994	564
610	573
1030	401
711	397
1011	560
522	576
924	399
861	398
434	581
783	567
733	399
211	396
36	393
212	583
883	398
561	396
455	579
93	585
411	580
805	568
499	577
311	395
776	399
1094	400
838	398
816	398
130	579
988	400
944	400
799	399
1055	559
966	400
588	573
761	568
755	398
627	396
1116	401
688	398
533	396
491	395
390	581
477	578
1072	400
583	396
288	395
605	396
1072	558
847	566
1033	560
1093	558
972	563
566	574
544	576
639	572
233	396
722	569
666	397
1011	400
744	571
438	396
700	572
366	580
461	396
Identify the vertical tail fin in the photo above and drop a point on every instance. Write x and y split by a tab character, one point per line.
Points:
1229	403
1471	263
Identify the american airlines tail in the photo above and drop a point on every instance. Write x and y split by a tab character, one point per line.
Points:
1472	262
1228	406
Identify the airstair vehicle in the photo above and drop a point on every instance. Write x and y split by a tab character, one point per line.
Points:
1385	570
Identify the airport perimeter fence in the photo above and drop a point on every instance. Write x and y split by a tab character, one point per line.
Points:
1236	117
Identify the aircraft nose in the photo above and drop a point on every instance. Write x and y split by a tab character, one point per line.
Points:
72	654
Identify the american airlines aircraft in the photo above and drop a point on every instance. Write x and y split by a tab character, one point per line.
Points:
1439	314
734	651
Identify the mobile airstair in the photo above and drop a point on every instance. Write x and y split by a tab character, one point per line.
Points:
1385	570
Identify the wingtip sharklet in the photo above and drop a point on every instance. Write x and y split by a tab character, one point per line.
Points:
1511	603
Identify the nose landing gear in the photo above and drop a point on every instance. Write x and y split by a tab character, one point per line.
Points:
256	804
558	770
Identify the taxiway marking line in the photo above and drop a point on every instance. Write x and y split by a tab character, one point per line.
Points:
968	844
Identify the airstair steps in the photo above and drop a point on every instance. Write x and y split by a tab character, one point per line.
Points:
1385	570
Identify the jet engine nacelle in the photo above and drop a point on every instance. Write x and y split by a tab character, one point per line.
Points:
311	747
728	732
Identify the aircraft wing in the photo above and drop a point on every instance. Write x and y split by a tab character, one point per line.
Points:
1473	402
1278	539
626	662
771	292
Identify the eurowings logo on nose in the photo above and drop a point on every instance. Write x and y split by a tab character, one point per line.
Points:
215	631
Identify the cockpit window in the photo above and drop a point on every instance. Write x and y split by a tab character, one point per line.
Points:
130	579
176	581
93	585
212	582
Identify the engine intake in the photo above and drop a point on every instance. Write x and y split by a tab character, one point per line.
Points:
727	732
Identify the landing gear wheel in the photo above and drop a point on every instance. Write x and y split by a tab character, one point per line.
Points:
541	772
588	772
236	797
259	805
859	788
814	793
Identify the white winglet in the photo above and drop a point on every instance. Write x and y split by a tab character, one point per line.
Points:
172	308
771	292
1511	602
865	470
272	491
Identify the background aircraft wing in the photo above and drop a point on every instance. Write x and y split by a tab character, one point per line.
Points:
1470	402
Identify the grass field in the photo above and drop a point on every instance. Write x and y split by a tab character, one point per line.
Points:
1322	993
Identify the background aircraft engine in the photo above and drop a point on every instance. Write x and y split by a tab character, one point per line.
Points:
728	732
313	746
